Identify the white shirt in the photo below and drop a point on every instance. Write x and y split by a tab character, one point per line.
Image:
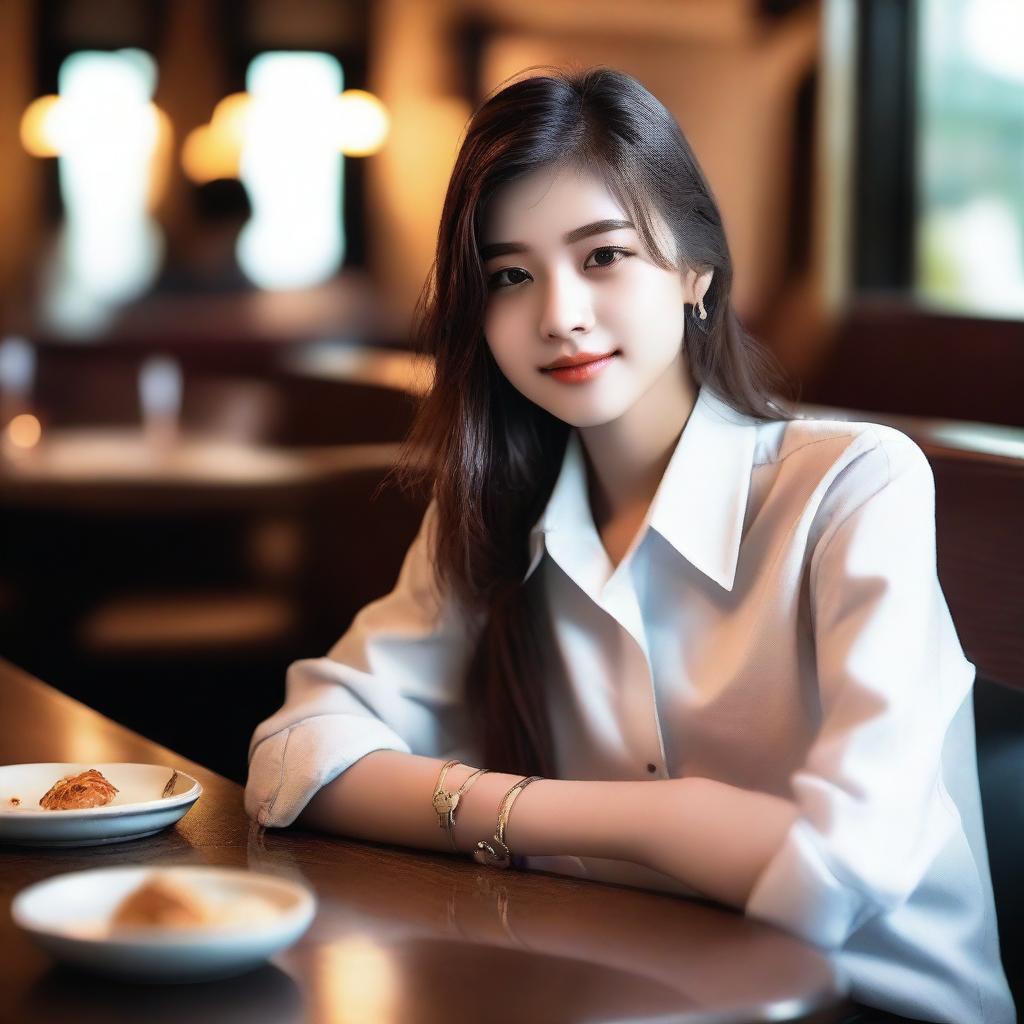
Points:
777	625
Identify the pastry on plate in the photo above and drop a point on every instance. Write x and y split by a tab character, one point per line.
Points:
165	901
161	903
75	792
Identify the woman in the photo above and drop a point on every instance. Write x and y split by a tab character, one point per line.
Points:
638	568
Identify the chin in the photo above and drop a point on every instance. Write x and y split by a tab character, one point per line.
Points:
583	414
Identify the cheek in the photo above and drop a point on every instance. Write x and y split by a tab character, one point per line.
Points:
504	339
646	310
493	331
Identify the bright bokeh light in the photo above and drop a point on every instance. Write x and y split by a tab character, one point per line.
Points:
45	131
40	127
357	980
162	161
108	133
994	34
292	170
207	155
970	151
214	150
231	117
362	123
24	431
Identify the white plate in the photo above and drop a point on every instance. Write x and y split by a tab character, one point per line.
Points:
139	809
69	914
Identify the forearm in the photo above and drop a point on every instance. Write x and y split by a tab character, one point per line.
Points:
713	837
385	797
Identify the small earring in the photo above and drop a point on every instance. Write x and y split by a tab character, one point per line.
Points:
700	306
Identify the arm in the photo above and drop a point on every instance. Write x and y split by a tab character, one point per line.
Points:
385	797
869	812
875	814
572	923
392	682
359	743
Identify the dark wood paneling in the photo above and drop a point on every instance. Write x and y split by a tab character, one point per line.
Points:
894	358
979	512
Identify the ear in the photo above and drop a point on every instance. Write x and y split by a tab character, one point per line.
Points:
697	285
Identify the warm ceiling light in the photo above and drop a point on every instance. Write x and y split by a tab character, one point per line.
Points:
207	154
162	158
362	123
24	431
230	117
40	126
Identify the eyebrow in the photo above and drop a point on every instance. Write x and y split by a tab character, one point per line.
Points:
488	252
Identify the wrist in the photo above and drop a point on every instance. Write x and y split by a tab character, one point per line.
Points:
477	816
609	820
553	817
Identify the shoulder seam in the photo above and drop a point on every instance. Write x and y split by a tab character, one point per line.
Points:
806	444
838	526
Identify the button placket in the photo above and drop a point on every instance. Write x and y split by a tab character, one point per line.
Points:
582	557
619	600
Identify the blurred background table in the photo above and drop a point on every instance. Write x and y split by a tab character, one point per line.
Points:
201	566
400	935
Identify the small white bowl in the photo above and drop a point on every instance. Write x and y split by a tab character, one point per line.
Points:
139	808
69	916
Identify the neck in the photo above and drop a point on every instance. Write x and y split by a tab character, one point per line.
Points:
626	458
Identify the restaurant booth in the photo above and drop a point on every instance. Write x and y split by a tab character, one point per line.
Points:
219	218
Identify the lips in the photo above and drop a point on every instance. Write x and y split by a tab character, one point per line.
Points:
581	368
580	359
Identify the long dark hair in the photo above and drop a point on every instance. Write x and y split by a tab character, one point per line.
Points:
492	455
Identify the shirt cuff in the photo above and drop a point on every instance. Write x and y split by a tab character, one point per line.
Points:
799	893
287	768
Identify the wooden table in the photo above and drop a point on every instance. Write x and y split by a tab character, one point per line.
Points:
117	468
400	936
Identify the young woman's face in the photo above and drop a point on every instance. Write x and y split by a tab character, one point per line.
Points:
570	280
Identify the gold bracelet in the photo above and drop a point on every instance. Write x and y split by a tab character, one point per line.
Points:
496	853
445	803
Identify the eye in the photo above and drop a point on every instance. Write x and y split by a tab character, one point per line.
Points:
615	256
507	277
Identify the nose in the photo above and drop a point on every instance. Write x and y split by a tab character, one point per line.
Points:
567	310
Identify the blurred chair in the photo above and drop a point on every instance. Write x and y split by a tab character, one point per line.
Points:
167	624
101	389
979	514
959	367
340	392
327	392
319	393
294	582
202	571
361	525
246	411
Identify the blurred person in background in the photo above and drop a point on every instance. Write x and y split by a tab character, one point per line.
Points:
207	262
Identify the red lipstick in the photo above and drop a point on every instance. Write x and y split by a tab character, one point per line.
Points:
579	368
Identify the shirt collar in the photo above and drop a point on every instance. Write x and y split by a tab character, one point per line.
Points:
700	504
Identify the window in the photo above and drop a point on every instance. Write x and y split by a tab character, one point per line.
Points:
970	156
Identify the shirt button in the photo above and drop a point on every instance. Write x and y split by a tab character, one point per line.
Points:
652	768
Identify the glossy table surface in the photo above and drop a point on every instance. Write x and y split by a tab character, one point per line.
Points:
400	936
117	468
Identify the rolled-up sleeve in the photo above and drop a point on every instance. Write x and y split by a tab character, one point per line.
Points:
394	681
874	811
